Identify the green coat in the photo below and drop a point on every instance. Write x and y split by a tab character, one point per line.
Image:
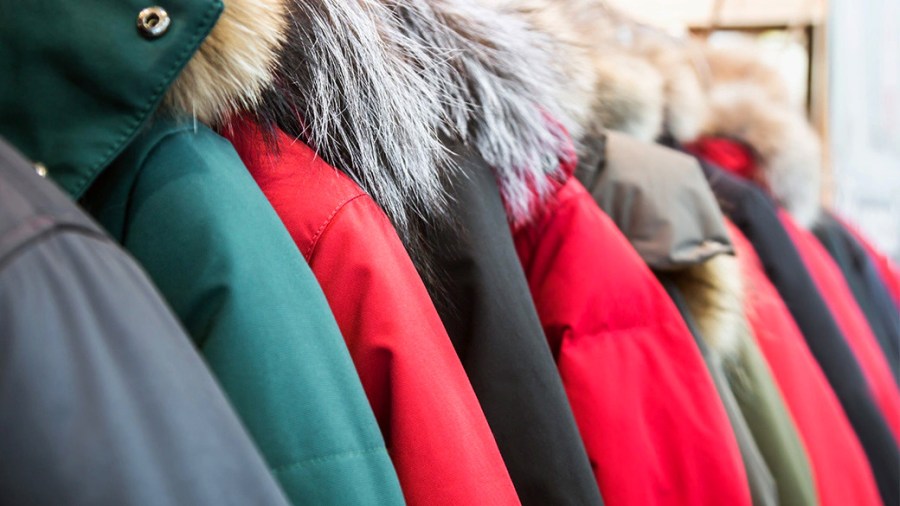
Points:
80	99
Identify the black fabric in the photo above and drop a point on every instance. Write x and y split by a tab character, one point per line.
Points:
755	215
495	329
866	284
103	401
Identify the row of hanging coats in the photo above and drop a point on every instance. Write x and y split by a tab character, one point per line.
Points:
443	252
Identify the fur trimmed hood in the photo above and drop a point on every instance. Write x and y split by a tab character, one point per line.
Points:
786	150
607	86
233	65
496	78
347	86
686	108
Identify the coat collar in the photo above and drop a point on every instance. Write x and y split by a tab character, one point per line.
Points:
90	78
85	80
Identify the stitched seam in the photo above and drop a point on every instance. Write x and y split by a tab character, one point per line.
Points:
335	456
135	121
328	220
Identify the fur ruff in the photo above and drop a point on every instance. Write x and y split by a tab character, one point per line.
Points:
686	107
741	64
606	86
714	292
497	78
233	65
346	86
786	147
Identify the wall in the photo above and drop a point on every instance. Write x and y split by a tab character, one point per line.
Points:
864	88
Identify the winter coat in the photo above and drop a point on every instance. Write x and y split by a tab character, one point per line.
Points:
103	400
763	489
490	317
178	198
437	435
866	283
654	427
755	216
660	200
842	473
850	318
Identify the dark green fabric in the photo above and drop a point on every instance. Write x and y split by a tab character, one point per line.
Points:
180	200
78	79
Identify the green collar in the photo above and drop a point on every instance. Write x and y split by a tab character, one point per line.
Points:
81	78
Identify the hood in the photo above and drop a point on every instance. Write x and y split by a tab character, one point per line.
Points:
740	63
497	90
784	150
77	98
347	86
686	108
661	201
714	293
606	86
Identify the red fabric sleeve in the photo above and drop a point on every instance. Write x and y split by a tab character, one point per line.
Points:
654	427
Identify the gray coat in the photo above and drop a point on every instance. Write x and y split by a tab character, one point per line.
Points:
103	400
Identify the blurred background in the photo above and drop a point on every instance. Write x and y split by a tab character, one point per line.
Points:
842	60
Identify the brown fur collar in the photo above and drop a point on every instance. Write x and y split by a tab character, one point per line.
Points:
233	65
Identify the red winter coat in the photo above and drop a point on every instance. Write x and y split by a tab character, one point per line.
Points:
653	425
850	318
840	467
437	435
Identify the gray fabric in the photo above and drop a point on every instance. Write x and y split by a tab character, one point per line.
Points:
763	488
103	401
660	200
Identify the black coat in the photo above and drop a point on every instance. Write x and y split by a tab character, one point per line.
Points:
103	400
491	319
754	213
866	284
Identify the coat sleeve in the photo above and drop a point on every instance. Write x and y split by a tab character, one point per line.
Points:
216	249
439	439
756	216
103	400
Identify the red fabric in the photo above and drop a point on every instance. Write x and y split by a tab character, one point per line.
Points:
850	318
728	154
888	271
651	420
841	471
437	435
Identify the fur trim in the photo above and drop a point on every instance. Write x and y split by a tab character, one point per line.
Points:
714	292
787	149
346	87
498	92
741	64
686	106
606	87
234	63
629	96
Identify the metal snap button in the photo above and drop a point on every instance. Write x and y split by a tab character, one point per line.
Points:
153	22
41	169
